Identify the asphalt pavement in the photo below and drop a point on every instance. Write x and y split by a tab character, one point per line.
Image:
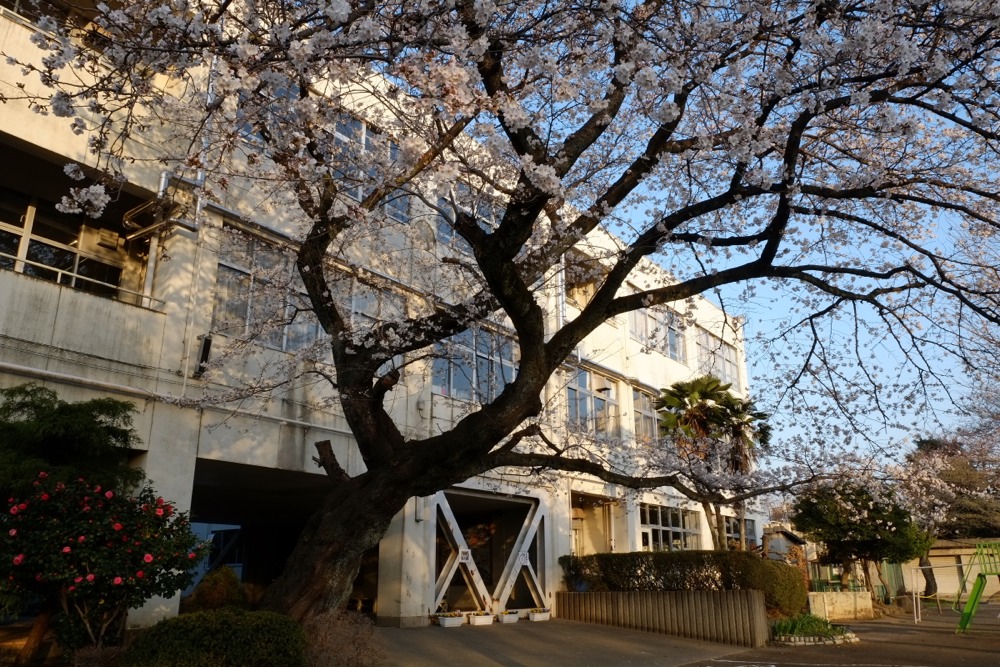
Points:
887	642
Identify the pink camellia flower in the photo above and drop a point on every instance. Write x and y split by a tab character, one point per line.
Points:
90	577
44	496
159	501
43	474
148	558
12	532
116	581
97	489
71	589
86	508
109	495
77	580
66	550
159	511
18	559
139	574
117	526
192	555
81	538
13	510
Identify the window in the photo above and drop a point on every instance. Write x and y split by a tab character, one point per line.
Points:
592	404
479	365
256	292
487	215
358	142
718	358
584	276
37	240
668	528
733	530
660	330
646	419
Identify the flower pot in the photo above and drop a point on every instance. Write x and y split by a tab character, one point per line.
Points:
480	620
539	615
508	618
450	621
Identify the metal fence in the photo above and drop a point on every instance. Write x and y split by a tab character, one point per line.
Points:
726	617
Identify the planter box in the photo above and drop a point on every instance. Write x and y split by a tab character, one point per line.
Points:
480	620
539	615
508	618
450	621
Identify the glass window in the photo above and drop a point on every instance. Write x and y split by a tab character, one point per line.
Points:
592	403
718	358
646	420
659	329
37	240
668	528
257	294
733	530
474	365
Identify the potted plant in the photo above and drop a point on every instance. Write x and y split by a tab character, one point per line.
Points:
539	614
450	619
480	618
508	616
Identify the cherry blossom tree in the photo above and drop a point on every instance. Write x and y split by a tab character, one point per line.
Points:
829	151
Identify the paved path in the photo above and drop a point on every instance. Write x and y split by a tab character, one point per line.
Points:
555	643
890	642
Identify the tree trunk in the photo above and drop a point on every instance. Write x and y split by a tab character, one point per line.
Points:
880	570
741	516
866	569
32	645
321	570
930	581
709	517
845	575
720	528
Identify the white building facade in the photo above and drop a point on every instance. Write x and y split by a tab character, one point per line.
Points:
133	304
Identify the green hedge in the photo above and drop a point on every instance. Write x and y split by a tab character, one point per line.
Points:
223	638
783	586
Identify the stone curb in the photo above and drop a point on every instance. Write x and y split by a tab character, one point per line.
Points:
792	640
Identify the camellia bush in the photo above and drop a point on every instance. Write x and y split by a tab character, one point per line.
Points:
93	553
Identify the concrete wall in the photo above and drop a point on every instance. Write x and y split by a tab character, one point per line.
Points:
727	617
842	606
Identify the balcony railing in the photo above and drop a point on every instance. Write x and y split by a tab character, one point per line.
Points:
83	283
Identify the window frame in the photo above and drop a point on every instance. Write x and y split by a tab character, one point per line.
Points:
276	336
478	348
42	230
582	392
718	358
645	420
656	535
659	329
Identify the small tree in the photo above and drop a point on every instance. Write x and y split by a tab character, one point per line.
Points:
89	439
93	554
717	437
856	526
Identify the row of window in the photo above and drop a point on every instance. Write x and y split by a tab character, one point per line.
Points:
674	529
37	240
662	330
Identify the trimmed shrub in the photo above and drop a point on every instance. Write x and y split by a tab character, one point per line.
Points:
223	638
784	591
217	589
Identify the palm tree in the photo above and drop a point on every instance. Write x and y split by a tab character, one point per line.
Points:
708	422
